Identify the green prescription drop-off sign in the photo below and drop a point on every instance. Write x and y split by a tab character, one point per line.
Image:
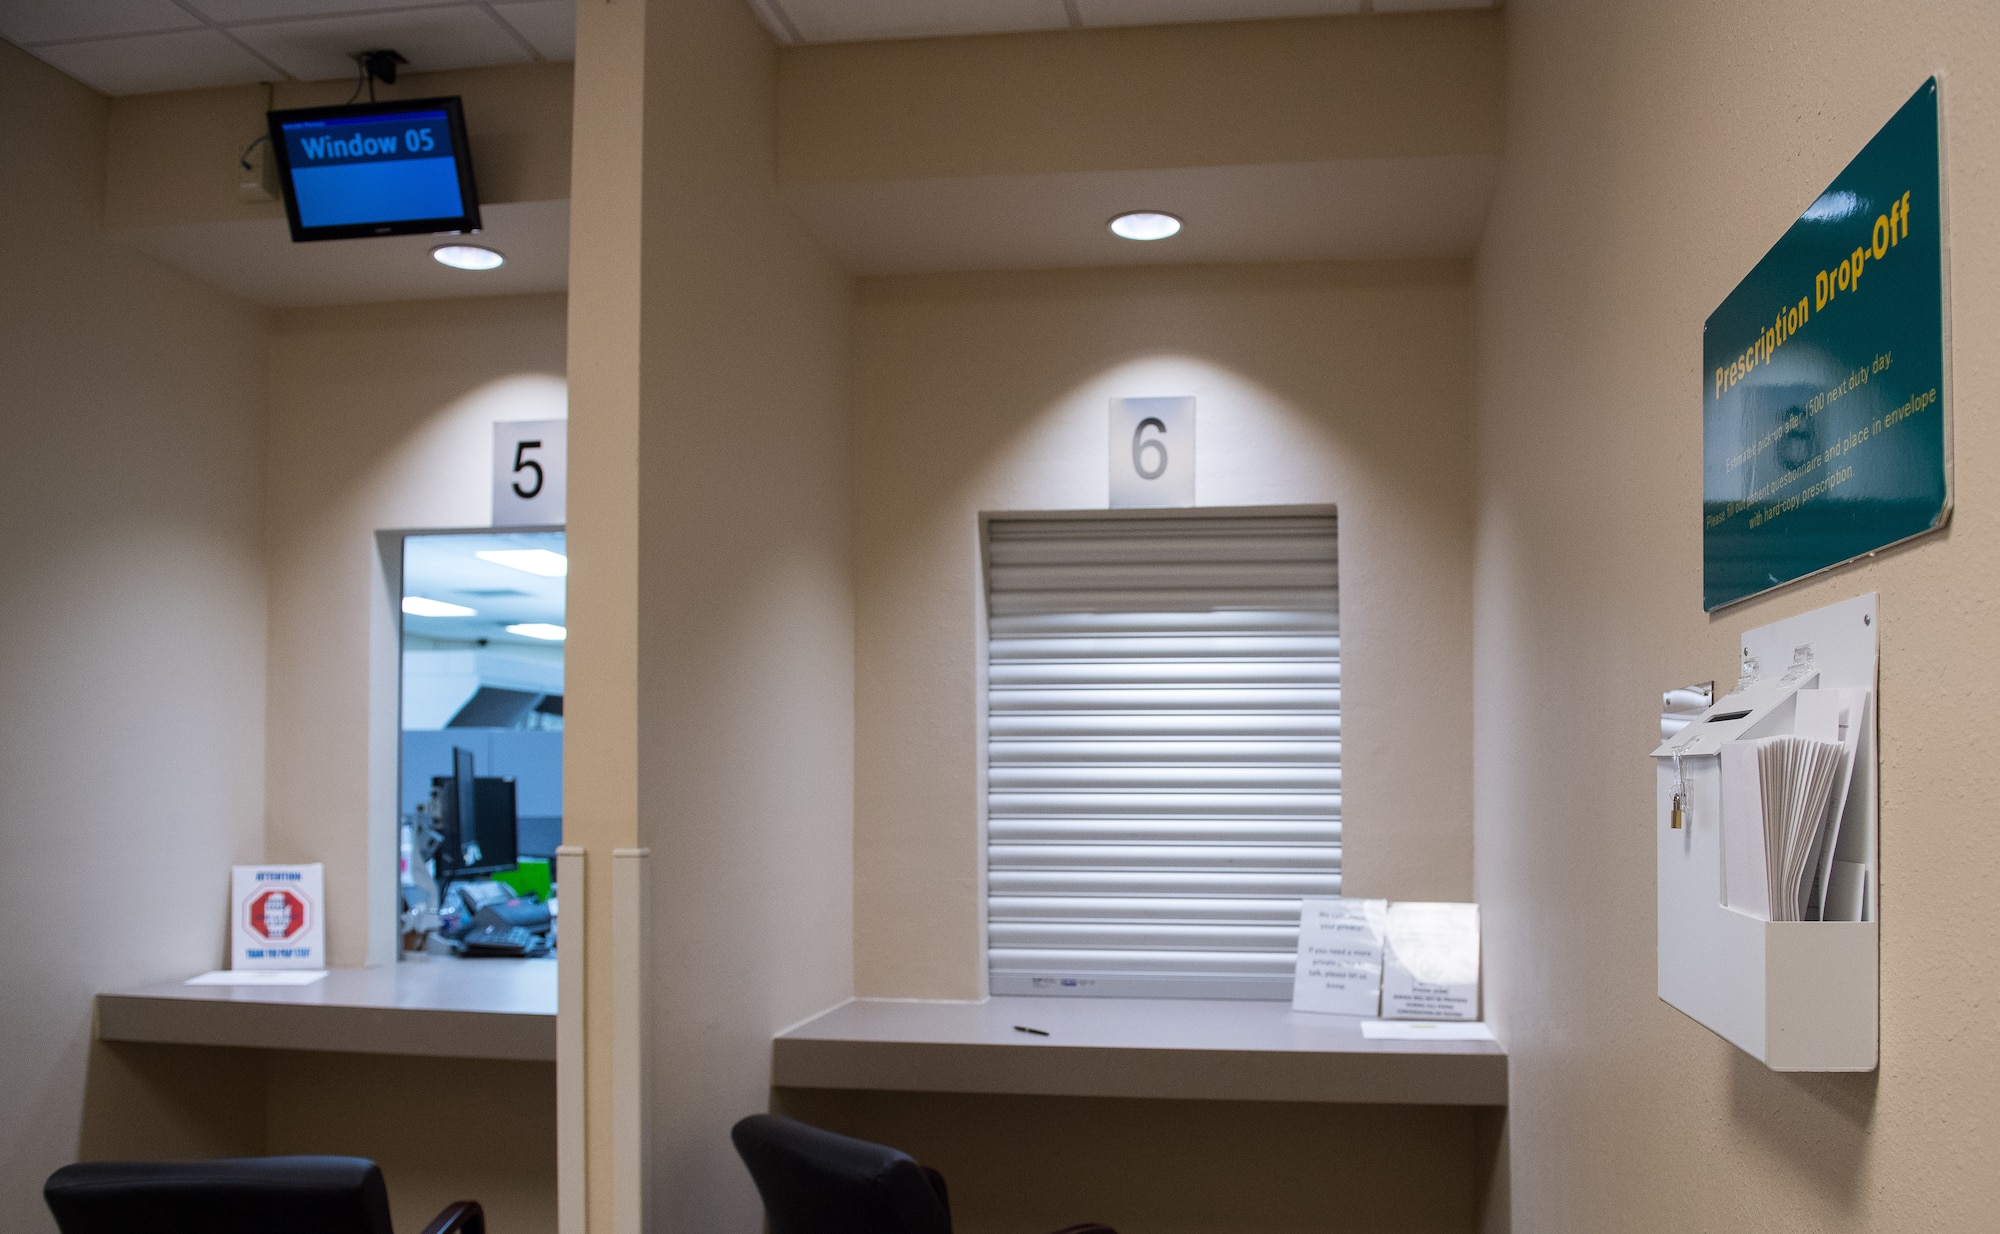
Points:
1824	427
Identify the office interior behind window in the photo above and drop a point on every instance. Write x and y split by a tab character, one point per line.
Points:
481	741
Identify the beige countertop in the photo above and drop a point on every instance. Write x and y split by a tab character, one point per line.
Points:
434	1006
1130	1047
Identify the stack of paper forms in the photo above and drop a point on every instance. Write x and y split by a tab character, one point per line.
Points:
1777	794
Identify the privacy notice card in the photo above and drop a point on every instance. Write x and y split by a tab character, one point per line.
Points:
278	918
1340	956
1430	970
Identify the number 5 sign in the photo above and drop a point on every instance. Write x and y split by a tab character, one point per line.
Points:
530	473
1152	452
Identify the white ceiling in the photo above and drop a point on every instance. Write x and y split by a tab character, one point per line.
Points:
139	46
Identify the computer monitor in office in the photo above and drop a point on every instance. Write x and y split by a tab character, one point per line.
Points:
481	830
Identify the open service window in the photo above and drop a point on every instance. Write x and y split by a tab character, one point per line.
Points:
481	740
1163	751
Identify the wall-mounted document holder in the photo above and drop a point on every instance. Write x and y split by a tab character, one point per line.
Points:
1766	842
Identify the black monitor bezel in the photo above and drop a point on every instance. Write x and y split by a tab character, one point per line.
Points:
453	825
494	860
468	191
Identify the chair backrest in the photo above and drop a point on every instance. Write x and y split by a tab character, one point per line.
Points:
816	1182
254	1195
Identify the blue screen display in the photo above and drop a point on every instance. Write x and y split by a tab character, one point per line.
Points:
373	169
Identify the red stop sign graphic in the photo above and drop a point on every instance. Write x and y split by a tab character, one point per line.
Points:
277	914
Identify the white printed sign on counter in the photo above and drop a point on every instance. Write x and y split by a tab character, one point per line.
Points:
530	473
278	917
1340	956
1430	970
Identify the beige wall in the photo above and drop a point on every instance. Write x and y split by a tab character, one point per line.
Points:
1314	384
181	460
746	687
442	1129
1023	1165
1319	139
713	404
1211	95
601	656
1655	152
132	632
380	420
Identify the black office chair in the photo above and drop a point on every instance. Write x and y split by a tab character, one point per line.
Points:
248	1195
816	1182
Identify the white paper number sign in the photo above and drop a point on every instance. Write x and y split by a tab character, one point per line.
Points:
1340	956
277	917
1431	968
530	473
1152	452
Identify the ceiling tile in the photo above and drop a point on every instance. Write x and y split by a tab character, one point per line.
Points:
186	60
39	21
228	11
432	39
549	25
1170	12
835	21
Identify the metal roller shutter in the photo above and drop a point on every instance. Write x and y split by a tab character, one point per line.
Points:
1163	759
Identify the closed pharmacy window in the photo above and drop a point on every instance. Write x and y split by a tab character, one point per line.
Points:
1163	759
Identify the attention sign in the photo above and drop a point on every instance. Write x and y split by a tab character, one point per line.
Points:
278	919
1826	428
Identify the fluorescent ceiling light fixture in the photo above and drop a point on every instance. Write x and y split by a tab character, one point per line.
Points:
539	629
418	606
1145	225
468	257
533	560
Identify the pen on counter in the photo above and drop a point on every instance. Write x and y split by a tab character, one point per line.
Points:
1023	1028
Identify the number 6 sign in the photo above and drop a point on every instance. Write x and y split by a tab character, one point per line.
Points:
1152	452
530	466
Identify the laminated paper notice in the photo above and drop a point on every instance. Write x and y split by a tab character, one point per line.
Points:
1430	970
278	917
1340	956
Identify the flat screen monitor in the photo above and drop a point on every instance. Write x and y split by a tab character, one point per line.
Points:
375	169
479	821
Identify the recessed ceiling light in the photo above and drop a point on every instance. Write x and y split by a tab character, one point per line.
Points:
418	606
534	560
539	629
1145	225
468	257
